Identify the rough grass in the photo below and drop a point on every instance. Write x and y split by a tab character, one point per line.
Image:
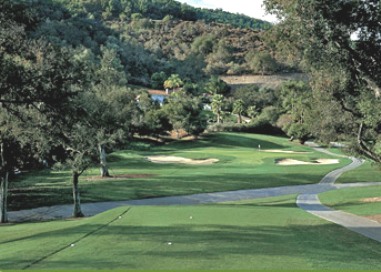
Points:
241	166
368	172
262	234
351	200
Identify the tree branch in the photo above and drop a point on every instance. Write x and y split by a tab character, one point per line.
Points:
363	146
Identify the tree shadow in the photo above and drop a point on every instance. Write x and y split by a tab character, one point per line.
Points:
203	246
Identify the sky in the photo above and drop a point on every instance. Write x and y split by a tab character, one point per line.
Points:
252	8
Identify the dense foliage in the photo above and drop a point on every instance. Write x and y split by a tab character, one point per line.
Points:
157	36
158	10
338	43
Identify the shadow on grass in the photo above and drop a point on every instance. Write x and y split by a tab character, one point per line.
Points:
28	198
204	246
171	184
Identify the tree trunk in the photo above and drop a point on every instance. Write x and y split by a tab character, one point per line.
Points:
102	158
3	186
77	202
239	118
3	198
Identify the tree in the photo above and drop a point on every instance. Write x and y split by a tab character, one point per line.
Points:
36	79
296	101
150	119
174	81
252	95
203	45
110	110
238	108
217	103
111	70
185	112
252	112
261	62
339	41
216	86
157	79
110	104
219	59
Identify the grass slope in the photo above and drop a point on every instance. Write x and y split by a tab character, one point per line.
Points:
241	166
351	200
368	172
262	234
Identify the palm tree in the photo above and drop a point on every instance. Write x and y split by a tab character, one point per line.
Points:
216	86
238	108
252	111
174	81
217	102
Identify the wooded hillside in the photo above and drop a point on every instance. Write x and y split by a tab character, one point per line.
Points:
148	37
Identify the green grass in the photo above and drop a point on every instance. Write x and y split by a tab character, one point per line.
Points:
241	166
263	234
368	172
351	200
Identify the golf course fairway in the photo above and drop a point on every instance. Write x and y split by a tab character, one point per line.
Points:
268	233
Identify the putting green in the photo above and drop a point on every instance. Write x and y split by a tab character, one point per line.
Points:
263	234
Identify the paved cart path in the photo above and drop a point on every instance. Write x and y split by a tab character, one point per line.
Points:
310	202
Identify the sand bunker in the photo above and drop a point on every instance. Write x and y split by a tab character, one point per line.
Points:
371	200
316	162
173	159
284	151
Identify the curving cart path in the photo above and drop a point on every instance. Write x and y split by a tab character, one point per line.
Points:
307	200
310	203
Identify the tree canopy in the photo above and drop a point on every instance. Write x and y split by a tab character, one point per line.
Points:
338	43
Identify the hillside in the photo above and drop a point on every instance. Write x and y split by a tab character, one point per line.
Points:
210	48
150	37
158	10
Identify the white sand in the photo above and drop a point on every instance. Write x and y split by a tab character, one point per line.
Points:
174	159
371	199
284	151
317	162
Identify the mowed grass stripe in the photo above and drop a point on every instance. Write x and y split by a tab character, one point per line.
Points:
73	243
262	234
25	245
